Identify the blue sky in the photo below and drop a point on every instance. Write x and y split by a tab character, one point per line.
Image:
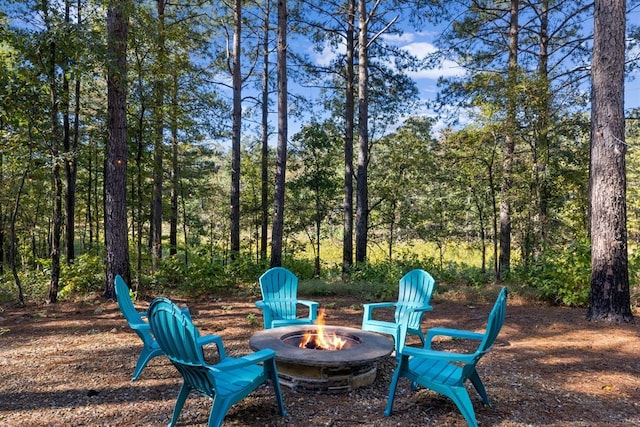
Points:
421	43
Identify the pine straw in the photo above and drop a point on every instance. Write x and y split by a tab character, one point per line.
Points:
70	364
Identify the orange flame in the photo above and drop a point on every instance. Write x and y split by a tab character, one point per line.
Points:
320	339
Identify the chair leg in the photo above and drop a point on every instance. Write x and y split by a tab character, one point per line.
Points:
218	411
394	384
477	383
272	374
182	397
145	356
460	397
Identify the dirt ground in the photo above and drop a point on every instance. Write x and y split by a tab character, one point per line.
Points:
70	364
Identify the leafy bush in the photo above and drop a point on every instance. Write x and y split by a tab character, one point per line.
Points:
561	277
86	274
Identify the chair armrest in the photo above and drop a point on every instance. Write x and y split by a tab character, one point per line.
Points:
208	339
424	353
267	314
213	339
368	308
313	307
452	333
140	326
142	313
251	359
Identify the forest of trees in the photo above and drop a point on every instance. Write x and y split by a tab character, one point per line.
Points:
153	139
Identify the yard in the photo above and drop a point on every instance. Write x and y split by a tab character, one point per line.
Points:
70	364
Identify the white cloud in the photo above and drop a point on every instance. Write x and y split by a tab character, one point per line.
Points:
446	69
420	49
328	54
399	39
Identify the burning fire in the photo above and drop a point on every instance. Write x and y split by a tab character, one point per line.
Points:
319	339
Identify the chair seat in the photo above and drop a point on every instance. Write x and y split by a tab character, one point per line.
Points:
232	382
435	371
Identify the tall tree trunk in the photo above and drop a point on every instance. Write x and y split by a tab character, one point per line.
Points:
609	298
184	226
541	151
13	249
264	157
139	217
158	149
277	229
175	174
236	131
89	217
56	214
509	147
116	239
2	218
349	116
70	147
362	196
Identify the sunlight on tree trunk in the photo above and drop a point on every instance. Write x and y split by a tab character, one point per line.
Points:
609	298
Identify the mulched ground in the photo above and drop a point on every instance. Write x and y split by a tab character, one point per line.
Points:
70	364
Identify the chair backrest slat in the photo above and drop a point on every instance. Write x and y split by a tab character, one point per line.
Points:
415	290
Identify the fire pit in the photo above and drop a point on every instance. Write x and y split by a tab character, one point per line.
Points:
309	367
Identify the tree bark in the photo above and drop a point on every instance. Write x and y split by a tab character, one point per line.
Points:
13	247
264	157
281	153
158	150
69	150
509	147
116	238
56	230
362	196
541	151
609	297
175	173
236	132
349	116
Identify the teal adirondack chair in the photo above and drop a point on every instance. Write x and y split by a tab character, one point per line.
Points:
279	288
135	319
414	294
227	382
446	372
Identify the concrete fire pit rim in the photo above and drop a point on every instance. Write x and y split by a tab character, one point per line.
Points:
372	347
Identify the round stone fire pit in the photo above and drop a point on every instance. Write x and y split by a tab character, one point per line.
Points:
324	371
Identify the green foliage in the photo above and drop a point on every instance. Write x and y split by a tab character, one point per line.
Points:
85	275
34	282
252	319
561	276
206	273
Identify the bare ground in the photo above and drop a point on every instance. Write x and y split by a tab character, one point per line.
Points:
70	364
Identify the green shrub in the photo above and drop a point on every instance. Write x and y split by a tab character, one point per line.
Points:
561	276
86	274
